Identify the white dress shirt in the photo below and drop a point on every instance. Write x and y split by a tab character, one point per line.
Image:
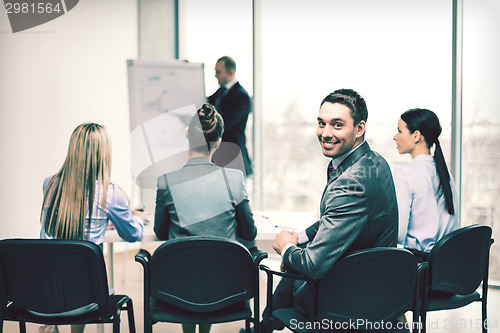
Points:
230	84
423	218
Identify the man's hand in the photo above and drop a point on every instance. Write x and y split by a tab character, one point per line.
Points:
283	239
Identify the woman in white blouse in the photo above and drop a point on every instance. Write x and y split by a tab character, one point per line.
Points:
426	192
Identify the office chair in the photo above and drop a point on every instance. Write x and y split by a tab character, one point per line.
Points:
367	287
57	282
200	280
458	263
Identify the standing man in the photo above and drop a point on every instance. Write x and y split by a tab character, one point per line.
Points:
358	207
232	101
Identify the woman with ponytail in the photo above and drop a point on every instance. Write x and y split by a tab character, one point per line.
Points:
203	199
426	192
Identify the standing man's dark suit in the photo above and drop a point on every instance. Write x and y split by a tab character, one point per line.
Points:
234	105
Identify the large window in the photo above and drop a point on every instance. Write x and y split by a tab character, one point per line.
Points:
396	54
212	29
481	120
216	28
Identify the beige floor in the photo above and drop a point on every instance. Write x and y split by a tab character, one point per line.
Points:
128	280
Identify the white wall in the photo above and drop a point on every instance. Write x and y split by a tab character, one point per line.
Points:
52	78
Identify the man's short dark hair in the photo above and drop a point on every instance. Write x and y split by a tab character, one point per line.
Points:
229	63
352	100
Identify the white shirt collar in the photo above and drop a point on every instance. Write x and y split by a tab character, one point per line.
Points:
424	157
230	84
339	159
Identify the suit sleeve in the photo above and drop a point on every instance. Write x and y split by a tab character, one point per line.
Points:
339	227
245	226
162	216
312	230
211	99
238	110
244	219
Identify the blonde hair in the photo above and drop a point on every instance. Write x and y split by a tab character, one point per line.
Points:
70	193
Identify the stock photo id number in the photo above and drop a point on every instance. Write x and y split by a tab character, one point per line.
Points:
26	14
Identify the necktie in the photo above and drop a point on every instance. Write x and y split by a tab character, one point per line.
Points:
329	170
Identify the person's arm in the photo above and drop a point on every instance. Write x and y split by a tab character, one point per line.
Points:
245	226
284	240
339	227
306	235
302	237
162	217
128	225
211	99
43	233
309	232
237	111
404	198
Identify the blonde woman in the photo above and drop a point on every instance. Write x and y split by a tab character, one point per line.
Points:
84	179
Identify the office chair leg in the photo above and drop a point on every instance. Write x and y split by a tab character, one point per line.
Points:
130	315
116	325
414	322
484	315
148	326
247	325
22	327
417	326
256	326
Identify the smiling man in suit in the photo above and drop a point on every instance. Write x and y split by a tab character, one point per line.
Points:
358	209
233	103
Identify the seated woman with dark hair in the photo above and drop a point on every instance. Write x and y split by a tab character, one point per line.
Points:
203	199
426	192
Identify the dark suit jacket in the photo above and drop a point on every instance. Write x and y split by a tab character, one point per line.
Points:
358	210
203	199
234	108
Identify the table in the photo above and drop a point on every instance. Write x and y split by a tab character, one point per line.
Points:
269	223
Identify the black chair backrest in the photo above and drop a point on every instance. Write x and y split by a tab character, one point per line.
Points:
374	285
53	276
458	261
202	274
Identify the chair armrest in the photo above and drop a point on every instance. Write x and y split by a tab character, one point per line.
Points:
423	267
258	256
295	276
117	302
422	287
143	257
